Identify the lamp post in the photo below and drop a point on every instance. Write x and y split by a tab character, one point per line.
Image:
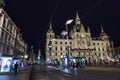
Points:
25	56
50	49
68	22
39	56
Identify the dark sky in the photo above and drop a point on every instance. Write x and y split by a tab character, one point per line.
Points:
33	17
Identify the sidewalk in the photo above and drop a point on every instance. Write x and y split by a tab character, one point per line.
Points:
23	74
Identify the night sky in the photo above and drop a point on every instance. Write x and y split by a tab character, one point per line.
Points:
33	17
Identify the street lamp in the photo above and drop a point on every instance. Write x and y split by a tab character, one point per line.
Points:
26	56
50	49
68	22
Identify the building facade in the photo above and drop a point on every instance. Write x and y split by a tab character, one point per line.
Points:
20	46
11	41
80	44
117	52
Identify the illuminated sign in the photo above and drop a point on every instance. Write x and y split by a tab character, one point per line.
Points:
5	64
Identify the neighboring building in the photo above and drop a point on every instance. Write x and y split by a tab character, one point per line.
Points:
81	44
11	41
32	57
117	52
7	33
20	46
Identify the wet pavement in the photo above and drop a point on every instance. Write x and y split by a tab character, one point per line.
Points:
92	72
23	74
48	73
59	73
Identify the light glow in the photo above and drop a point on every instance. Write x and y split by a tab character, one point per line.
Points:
69	21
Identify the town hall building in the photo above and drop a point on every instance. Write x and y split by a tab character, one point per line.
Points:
80	44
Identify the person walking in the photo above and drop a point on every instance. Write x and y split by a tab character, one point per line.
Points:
16	67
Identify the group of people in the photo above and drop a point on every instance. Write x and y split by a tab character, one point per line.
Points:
15	68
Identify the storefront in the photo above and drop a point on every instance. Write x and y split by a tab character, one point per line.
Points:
14	61
7	63
79	61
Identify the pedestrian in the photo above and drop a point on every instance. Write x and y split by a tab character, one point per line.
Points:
16	67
